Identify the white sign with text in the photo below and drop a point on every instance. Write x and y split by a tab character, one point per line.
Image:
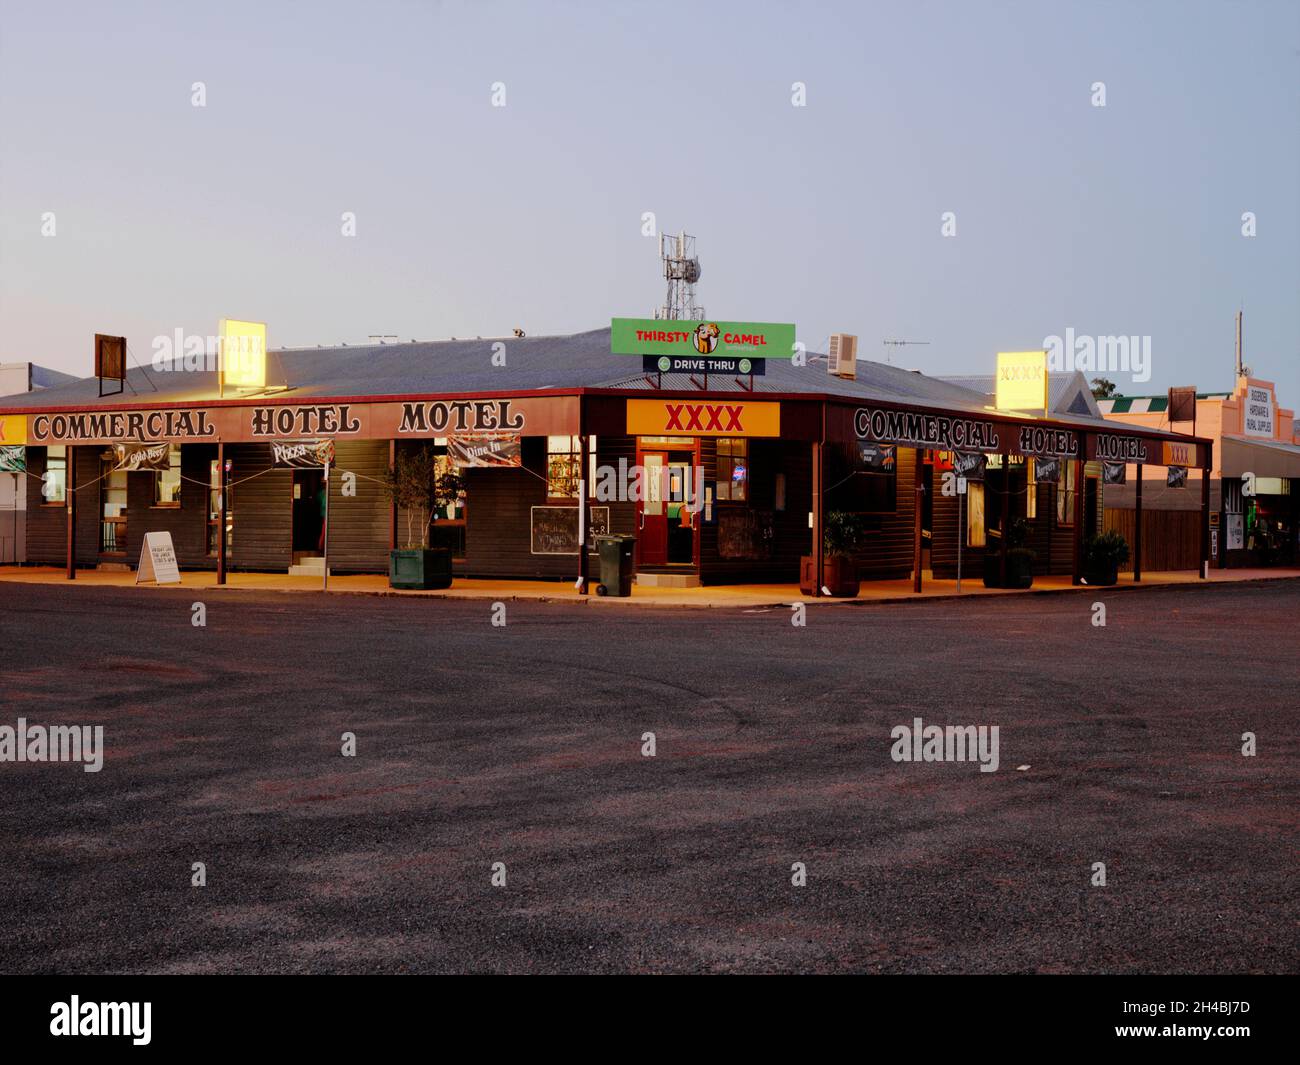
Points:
1257	417
158	560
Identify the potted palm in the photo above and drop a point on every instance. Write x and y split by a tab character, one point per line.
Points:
841	536
412	486
1020	560
1102	557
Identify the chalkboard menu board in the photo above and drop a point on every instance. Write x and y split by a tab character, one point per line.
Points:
744	533
555	529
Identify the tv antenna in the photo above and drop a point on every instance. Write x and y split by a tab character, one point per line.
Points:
900	344
381	338
681	270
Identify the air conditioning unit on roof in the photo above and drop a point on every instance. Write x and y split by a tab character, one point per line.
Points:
842	358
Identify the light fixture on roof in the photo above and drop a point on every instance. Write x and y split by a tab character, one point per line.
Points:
519	332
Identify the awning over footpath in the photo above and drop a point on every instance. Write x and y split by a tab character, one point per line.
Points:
1264	458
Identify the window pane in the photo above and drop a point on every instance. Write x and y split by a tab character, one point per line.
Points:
732	481
563	466
56	474
974	514
167	483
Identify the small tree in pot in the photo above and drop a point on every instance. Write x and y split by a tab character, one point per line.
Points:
841	536
412	486
1102	557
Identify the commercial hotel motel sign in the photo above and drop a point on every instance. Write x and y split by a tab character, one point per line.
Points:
538	416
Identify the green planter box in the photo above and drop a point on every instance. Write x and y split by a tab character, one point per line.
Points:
420	569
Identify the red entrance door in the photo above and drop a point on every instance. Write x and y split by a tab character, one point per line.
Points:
652	513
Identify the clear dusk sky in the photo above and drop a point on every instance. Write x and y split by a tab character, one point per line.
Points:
473	219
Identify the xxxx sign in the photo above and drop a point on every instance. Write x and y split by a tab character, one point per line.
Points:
667	417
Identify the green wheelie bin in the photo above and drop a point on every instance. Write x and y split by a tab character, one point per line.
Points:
616	564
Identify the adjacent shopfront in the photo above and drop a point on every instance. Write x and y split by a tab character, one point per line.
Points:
1254	501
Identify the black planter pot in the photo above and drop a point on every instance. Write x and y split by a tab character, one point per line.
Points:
1020	573
420	569
1102	576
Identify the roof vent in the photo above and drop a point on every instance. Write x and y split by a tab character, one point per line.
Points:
842	358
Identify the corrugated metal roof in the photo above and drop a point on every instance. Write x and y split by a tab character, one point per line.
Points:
449	367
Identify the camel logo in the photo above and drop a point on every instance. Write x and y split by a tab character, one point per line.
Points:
706	338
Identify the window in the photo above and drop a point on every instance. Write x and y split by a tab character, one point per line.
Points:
863	479
1031	492
55	488
1065	495
1232	495
112	526
733	469
167	483
214	511
974	514
564	466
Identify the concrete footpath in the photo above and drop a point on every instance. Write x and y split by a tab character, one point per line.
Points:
748	596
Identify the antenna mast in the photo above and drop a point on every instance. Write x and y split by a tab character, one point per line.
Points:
681	270
1240	369
898	344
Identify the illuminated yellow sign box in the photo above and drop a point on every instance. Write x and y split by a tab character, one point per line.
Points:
712	417
13	428
243	353
1022	380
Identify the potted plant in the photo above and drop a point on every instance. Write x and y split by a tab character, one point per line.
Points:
841	536
1102	557
412	486
1020	560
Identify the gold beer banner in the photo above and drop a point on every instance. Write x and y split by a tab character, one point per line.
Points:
525	416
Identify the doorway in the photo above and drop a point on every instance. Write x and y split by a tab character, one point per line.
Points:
1090	517
665	526
308	511
112	523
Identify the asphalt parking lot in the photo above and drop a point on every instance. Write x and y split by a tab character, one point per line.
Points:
522	744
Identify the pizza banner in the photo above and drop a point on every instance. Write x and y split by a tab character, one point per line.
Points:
302	454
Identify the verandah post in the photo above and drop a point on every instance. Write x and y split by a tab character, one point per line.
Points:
221	512
70	494
1137	530
1205	512
919	494
1077	578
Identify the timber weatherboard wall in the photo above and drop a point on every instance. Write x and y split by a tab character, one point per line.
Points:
790	536
262	510
186	523
358	532
887	551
